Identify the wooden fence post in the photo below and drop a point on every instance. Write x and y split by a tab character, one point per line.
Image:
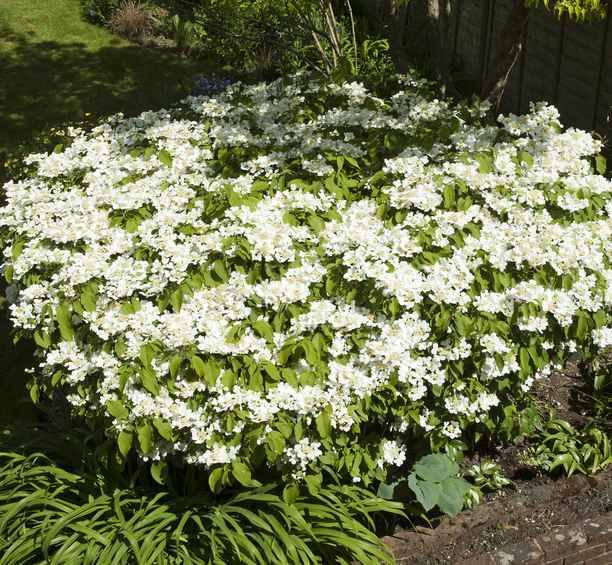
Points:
602	65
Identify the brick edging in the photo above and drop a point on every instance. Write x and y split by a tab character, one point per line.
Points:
587	543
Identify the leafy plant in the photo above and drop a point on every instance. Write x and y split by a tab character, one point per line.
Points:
595	397
98	11
50	514
487	476
559	445
185	33
435	481
131	19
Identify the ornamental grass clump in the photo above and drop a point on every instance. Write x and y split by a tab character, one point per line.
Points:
298	275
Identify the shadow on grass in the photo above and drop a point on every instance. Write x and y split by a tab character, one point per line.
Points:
46	84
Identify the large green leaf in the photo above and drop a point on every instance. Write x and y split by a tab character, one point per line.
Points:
436	467
427	493
452	495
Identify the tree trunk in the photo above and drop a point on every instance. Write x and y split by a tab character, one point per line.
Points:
395	15
507	53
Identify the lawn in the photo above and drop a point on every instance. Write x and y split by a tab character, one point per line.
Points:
57	68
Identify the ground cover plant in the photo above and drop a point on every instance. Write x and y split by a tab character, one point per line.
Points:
50	514
299	275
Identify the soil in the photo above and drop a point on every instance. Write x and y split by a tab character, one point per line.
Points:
535	505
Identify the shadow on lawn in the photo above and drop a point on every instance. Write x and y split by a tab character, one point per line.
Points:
46	84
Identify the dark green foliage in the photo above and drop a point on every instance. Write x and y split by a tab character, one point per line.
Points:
83	510
98	11
435	482
558	445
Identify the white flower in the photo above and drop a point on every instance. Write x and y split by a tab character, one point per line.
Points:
392	454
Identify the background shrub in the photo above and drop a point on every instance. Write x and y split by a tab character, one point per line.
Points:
131	19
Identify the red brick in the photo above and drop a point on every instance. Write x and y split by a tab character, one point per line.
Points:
604	559
599	530
586	553
562	542
527	553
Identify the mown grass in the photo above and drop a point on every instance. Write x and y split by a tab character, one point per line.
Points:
56	68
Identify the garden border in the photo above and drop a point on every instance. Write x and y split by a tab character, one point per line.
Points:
587	543
584	542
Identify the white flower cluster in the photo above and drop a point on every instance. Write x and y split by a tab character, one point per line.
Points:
284	255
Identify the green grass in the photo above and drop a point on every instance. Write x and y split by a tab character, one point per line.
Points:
56	68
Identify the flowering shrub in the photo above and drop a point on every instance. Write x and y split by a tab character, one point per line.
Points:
295	275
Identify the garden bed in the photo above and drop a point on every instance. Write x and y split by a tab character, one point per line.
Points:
538	507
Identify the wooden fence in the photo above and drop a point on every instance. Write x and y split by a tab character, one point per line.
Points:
566	63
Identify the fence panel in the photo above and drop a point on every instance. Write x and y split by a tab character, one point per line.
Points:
568	64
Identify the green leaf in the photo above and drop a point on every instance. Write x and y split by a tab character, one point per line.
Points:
276	442
175	365
145	437
215	480
263	329
56	377
220	270
176	299
452	495
35	393
148	378
313	483
524	361
165	158
8	273
582	325
198	365
89	300
159	472
285	428
146	355
291	493
485	163
131	226
449	196
436	467
323	424
120	347
163	428
117	409
64	320
526	157
241	473
386	491
426	492
42	339
124	442
601	164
